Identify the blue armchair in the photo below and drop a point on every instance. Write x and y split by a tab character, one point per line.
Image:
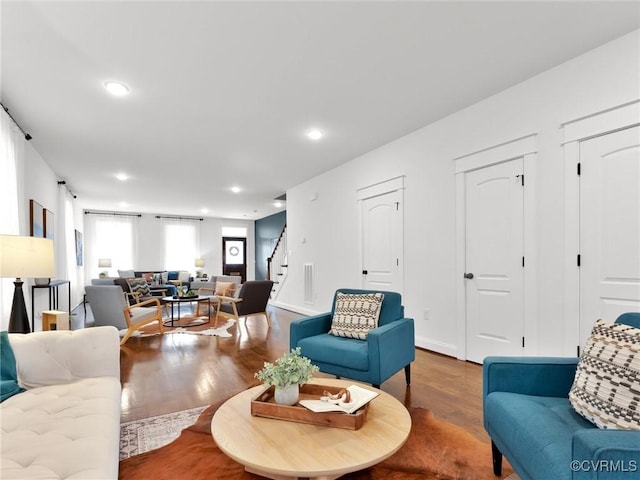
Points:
530	420
387	349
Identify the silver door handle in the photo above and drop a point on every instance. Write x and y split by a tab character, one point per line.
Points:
468	275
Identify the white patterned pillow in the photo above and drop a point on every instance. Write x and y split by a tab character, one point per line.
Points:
355	314
606	388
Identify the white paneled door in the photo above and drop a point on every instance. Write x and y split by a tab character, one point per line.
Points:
609	227
382	238
494	244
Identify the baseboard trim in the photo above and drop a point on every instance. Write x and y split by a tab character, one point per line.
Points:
436	346
294	308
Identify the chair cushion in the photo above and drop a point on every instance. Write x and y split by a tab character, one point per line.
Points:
225	289
605	388
355	314
335	350
538	431
138	314
139	286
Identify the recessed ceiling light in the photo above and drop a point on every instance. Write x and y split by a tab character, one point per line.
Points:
315	134
122	176
235	189
277	204
204	210
117	89
124	204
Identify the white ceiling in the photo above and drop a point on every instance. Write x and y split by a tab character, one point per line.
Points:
223	92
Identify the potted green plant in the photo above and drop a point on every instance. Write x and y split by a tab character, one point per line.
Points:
287	374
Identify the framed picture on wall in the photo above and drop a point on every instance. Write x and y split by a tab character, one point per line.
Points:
48	224
36	219
78	248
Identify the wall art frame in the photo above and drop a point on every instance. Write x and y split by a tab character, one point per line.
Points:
48	224
79	248
36	219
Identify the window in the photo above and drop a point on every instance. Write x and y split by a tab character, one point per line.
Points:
181	243
109	236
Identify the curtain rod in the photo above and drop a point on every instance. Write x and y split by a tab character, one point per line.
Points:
115	214
27	137
180	218
62	182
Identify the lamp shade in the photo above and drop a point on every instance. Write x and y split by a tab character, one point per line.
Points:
26	257
199	262
104	262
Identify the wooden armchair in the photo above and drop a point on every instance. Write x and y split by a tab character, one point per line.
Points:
252	299
141	314
109	306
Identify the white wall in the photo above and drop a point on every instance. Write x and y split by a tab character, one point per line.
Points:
325	231
38	182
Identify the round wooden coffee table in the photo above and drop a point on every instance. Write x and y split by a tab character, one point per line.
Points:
280	449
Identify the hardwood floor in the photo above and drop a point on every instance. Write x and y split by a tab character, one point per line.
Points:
163	374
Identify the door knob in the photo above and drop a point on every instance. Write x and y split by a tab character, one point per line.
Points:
468	275
365	272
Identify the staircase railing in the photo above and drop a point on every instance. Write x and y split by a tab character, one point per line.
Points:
277	263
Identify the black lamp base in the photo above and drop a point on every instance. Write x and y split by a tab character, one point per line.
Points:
19	320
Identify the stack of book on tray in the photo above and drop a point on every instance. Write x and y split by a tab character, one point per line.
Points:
359	398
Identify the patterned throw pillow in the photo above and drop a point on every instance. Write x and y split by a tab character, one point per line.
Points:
225	289
605	388
139	286
355	314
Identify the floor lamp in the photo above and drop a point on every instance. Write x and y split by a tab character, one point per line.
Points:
24	257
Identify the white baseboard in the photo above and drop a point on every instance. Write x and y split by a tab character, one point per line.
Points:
436	346
294	308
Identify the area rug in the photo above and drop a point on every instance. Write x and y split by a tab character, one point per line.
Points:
141	436
201	329
434	450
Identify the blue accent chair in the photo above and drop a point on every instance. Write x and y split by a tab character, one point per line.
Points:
387	349
530	420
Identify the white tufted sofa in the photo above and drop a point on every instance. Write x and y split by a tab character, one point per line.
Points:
67	424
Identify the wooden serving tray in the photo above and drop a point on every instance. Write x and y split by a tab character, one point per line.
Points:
264	406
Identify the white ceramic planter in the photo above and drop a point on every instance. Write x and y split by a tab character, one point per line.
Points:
287	395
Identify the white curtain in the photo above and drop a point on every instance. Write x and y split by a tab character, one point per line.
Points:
109	236
181	243
11	157
64	236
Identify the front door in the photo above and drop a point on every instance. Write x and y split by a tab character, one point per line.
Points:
609	227
234	257
382	236
494	246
